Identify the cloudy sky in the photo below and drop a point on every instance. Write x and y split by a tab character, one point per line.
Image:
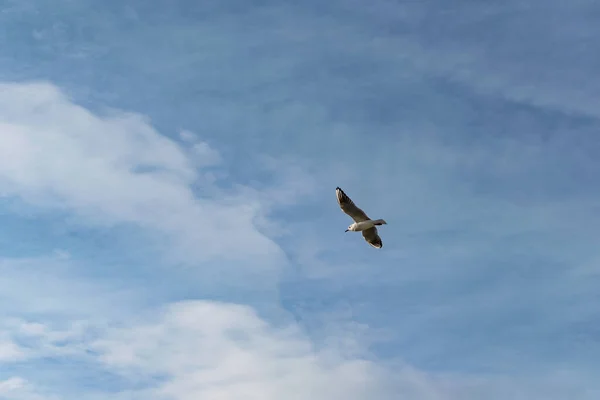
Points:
168	222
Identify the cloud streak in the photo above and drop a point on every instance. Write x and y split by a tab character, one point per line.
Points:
113	170
116	171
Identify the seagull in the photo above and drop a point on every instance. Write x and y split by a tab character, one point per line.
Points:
361	221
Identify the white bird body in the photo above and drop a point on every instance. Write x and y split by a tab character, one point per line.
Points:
363	225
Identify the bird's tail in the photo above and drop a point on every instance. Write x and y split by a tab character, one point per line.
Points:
379	222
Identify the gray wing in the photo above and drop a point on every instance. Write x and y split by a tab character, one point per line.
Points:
348	206
372	237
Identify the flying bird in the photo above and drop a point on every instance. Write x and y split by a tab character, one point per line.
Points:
362	222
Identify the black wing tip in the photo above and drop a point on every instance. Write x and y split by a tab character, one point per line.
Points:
377	243
341	195
339	189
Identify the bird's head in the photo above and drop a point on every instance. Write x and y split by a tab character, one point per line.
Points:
350	228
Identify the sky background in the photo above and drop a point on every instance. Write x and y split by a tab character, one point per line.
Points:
168	221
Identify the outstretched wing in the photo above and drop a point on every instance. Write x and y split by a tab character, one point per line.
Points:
372	237
348	206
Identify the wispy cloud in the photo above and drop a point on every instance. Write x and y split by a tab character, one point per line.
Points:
110	170
117	170
16	388
10	351
236	354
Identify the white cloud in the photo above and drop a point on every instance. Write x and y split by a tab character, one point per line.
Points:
201	153
203	349
17	388
226	351
116	169
11	384
10	351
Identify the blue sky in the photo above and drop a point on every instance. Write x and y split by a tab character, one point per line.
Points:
168	222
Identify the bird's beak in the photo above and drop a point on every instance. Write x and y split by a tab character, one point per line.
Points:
346	230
